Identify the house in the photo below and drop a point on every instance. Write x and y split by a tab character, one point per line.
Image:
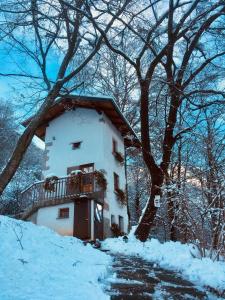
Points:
83	193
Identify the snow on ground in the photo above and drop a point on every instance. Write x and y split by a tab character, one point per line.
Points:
174	256
38	264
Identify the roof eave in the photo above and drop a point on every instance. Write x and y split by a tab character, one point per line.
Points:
76	101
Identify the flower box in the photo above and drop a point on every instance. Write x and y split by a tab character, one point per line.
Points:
121	196
119	157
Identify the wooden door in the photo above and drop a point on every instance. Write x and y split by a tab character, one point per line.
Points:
82	219
87	183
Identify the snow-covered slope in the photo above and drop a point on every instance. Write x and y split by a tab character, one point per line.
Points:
38	264
175	256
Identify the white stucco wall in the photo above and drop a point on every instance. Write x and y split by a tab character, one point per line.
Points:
48	216
96	132
112	165
74	126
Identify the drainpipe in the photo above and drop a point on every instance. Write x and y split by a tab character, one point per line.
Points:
126	186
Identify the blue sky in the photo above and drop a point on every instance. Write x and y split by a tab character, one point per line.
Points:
11	87
14	62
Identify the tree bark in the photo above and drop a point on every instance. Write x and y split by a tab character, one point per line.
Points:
26	138
147	221
156	174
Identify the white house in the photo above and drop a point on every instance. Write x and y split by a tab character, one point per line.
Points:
83	193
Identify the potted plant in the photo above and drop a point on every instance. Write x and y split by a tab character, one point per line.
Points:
49	184
100	179
119	157
121	195
74	180
115	230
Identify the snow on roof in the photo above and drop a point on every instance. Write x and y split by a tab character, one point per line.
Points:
93	94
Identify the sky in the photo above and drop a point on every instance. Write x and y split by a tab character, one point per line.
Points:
14	89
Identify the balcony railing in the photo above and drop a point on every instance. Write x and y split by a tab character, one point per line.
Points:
81	185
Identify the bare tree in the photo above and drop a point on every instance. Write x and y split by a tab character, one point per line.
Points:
116	77
172	45
44	27
170	50
197	172
211	174
138	184
30	167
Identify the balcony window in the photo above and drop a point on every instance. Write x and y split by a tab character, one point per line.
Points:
63	213
87	168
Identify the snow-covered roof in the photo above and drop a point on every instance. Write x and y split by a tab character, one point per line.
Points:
99	103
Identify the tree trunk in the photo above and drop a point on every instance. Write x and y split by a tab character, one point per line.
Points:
26	138
147	220
137	205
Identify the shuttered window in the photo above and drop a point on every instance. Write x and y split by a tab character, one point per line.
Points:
64	213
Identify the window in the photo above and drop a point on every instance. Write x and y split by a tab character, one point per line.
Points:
87	168
116	181
98	212
121	224
63	213
76	145
114	146
113	219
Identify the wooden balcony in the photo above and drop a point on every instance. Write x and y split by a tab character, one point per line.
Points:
63	189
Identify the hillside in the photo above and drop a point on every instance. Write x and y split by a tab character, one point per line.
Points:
38	264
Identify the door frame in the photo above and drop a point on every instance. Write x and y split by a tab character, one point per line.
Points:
89	217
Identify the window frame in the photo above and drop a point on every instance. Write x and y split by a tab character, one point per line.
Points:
76	145
113	219
82	167
114	146
63	213
116	181
121	223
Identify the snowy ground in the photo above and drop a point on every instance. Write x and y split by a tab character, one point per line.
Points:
38	264
173	256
